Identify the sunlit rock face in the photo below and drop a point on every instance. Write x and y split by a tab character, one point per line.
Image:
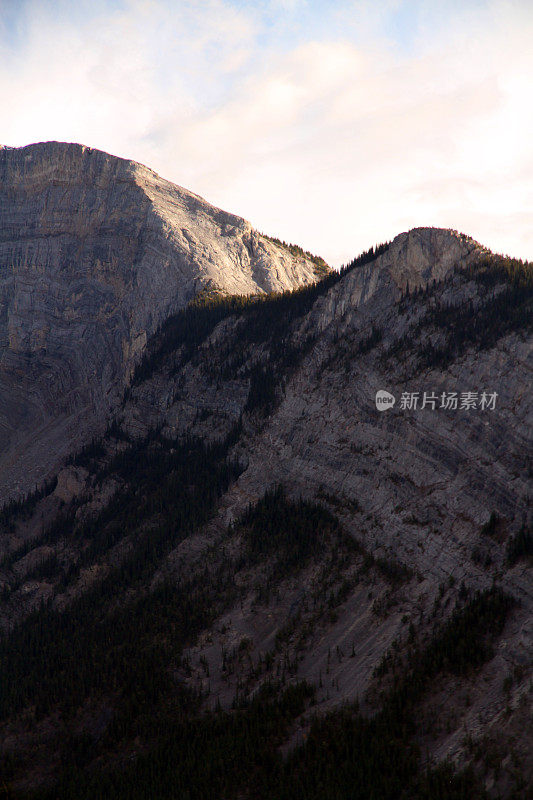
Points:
95	253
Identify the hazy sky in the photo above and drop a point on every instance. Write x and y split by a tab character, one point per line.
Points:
332	124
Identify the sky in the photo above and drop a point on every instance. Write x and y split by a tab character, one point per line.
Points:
334	125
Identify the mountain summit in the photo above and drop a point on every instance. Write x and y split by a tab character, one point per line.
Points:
95	253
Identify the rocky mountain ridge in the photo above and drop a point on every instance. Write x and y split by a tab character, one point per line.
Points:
250	520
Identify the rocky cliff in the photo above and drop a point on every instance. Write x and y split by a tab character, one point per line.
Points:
95	253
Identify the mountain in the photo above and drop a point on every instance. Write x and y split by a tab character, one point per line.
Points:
95	253
257	583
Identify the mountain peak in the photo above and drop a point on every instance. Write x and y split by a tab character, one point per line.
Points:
198	242
420	255
96	253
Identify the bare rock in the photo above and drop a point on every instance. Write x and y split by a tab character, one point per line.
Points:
70	483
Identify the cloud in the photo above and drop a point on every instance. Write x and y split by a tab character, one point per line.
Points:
336	138
287	5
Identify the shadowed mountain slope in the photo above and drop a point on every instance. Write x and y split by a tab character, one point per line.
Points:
256	584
